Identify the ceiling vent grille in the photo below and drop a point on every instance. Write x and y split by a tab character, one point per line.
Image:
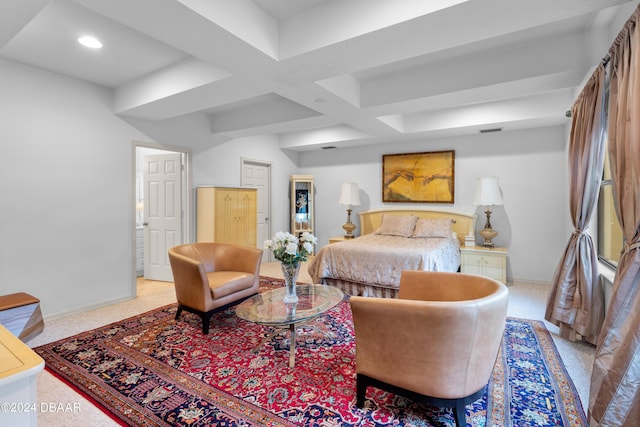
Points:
328	147
490	130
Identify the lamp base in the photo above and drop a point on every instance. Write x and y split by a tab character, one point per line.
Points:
349	227
488	234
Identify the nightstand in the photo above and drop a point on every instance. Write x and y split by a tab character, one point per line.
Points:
337	239
490	262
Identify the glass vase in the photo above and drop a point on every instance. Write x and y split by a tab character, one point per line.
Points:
290	272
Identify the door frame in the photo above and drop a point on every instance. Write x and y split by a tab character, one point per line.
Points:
268	165
186	221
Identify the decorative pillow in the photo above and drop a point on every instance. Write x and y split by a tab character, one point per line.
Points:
397	225
433	227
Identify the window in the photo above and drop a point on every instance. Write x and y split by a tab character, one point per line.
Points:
610	239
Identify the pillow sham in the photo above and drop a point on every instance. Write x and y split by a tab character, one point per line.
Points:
397	225
433	227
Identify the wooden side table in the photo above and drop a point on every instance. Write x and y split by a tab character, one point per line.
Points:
490	262
20	313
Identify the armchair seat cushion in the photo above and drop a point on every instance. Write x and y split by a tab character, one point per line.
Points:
223	283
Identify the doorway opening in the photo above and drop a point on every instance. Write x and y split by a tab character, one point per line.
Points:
161	207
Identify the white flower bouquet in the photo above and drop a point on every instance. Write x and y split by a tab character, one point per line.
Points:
288	249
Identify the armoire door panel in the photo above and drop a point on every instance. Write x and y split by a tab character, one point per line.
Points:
226	215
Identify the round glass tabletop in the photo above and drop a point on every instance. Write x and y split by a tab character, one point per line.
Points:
268	308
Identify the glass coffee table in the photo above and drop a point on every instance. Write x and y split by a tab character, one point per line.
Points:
267	308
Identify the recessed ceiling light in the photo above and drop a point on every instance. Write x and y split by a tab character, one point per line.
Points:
90	41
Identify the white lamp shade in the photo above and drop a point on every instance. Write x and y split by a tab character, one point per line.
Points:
350	194
487	192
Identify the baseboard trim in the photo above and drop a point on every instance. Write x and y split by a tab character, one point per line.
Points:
87	308
529	282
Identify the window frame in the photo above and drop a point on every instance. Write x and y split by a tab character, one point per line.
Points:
607	256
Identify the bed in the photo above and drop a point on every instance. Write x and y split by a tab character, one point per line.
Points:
393	240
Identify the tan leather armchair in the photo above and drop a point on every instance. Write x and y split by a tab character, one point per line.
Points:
210	277
436	343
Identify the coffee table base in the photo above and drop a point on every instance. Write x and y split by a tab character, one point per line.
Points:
292	340
269	309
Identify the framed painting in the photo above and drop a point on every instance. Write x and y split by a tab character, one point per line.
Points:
419	177
302	201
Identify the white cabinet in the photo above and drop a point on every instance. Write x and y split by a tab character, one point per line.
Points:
19	366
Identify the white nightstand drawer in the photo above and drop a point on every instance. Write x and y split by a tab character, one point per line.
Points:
490	262
482	260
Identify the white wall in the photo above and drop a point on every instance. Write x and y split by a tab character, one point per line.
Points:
65	221
531	166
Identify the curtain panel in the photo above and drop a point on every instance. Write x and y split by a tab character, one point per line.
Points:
576	300
615	382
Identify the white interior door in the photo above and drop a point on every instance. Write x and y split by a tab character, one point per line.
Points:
162	213
257	175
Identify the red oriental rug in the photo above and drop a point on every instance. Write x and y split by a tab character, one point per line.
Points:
154	370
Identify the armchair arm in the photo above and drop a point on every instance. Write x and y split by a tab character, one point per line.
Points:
191	282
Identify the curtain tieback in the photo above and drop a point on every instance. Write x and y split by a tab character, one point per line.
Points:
629	247
579	231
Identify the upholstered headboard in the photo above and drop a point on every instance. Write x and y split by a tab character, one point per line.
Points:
464	222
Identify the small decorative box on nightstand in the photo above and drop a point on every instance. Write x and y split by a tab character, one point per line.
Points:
490	262
469	240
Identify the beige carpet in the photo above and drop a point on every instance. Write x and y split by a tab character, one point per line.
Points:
525	301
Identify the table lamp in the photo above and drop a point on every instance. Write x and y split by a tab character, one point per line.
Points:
488	194
350	196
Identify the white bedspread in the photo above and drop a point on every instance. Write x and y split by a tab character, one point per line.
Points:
377	259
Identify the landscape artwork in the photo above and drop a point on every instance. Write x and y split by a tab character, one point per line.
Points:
418	177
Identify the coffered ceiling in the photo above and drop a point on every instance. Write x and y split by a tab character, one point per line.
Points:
321	73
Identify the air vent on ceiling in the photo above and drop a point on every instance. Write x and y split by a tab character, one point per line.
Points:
490	130
328	147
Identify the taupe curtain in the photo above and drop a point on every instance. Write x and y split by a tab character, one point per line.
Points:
614	398
576	300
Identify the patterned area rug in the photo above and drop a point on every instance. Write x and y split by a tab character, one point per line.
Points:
154	370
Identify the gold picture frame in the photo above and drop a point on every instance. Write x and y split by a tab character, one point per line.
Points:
419	177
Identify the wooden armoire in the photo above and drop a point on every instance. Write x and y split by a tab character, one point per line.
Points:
227	215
